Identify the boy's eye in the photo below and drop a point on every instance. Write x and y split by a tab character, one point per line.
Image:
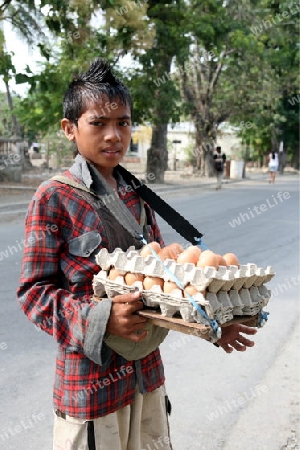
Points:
96	124
124	123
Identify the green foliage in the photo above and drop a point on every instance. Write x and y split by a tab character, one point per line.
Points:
211	61
272	113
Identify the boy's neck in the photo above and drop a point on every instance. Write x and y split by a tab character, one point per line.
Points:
108	174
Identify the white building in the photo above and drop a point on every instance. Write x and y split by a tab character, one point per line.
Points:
181	140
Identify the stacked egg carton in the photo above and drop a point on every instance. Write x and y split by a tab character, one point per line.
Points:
229	291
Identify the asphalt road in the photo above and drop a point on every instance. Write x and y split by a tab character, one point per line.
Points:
242	401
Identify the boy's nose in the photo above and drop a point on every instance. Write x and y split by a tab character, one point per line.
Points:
112	134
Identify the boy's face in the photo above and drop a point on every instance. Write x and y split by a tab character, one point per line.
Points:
102	134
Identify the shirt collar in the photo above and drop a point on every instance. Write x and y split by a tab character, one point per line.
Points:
81	170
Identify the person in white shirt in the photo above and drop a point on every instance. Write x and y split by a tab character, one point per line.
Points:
273	165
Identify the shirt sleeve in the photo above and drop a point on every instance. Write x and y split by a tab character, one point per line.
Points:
75	321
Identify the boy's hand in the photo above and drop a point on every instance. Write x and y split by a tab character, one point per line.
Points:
122	321
232	339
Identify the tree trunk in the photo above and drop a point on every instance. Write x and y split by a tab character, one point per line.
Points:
282	161
204	148
205	141
199	154
244	169
209	169
16	126
157	156
296	159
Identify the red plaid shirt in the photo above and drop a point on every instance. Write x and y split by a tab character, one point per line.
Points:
57	216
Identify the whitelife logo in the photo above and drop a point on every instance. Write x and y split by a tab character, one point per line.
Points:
257	210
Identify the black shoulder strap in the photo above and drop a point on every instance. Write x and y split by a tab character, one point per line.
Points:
169	214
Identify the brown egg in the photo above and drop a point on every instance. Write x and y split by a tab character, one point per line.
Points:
177	246
194	249
165	254
208	258
189	289
131	278
148	282
114	273
169	286
221	260
231	259
146	250
188	256
170	252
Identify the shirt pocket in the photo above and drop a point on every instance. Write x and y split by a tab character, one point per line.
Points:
85	244
82	256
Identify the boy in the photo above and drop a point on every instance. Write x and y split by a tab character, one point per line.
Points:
102	400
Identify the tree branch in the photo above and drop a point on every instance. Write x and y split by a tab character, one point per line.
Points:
216	75
5	5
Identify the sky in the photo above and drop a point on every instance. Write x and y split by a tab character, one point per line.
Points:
23	55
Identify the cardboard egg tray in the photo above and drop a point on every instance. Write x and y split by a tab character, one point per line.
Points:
230	292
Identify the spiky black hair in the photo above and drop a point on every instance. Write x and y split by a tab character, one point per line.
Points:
98	83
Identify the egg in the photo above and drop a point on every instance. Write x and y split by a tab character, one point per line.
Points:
175	249
148	282
194	249
231	259
170	251
189	289
188	256
114	273
169	286
165	253
208	258
131	278
146	250
221	260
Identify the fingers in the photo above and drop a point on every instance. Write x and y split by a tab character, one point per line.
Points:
127	298
130	301
247	330
131	308
240	344
123	321
227	348
234	345
246	341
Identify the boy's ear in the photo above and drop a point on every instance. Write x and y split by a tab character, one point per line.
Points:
68	128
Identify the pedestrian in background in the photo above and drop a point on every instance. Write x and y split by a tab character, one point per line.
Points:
219	162
273	163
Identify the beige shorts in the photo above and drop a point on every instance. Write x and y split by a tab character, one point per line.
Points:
143	425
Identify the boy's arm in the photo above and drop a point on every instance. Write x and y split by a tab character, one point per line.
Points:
68	318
